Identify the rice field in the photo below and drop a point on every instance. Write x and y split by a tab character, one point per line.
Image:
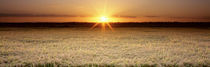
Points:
126	46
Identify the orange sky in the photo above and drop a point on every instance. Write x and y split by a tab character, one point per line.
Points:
116	10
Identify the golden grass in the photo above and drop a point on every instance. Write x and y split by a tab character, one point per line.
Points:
125	46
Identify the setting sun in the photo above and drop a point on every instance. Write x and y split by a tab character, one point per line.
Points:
104	19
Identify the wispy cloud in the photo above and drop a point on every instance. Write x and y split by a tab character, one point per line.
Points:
152	16
121	16
198	17
179	17
34	15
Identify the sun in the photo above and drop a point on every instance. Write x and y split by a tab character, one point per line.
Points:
104	22
104	19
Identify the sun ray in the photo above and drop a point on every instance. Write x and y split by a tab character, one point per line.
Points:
103	27
105	6
94	26
110	27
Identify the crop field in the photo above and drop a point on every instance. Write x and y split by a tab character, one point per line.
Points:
125	46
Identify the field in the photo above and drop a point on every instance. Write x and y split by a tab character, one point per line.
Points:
126	46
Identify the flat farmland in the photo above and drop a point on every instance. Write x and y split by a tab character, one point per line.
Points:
125	46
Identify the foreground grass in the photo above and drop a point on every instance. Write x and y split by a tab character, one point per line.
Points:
109	65
146	47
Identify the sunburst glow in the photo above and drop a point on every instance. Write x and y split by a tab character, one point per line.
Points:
104	19
104	22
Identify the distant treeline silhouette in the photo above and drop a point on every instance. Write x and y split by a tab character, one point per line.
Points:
122	24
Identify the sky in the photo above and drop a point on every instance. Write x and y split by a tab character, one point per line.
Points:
115	10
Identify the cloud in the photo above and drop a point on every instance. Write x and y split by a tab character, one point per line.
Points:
152	16
198	17
34	15
180	17
125	16
205	17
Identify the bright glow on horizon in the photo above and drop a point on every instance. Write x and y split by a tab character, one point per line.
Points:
104	19
104	22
